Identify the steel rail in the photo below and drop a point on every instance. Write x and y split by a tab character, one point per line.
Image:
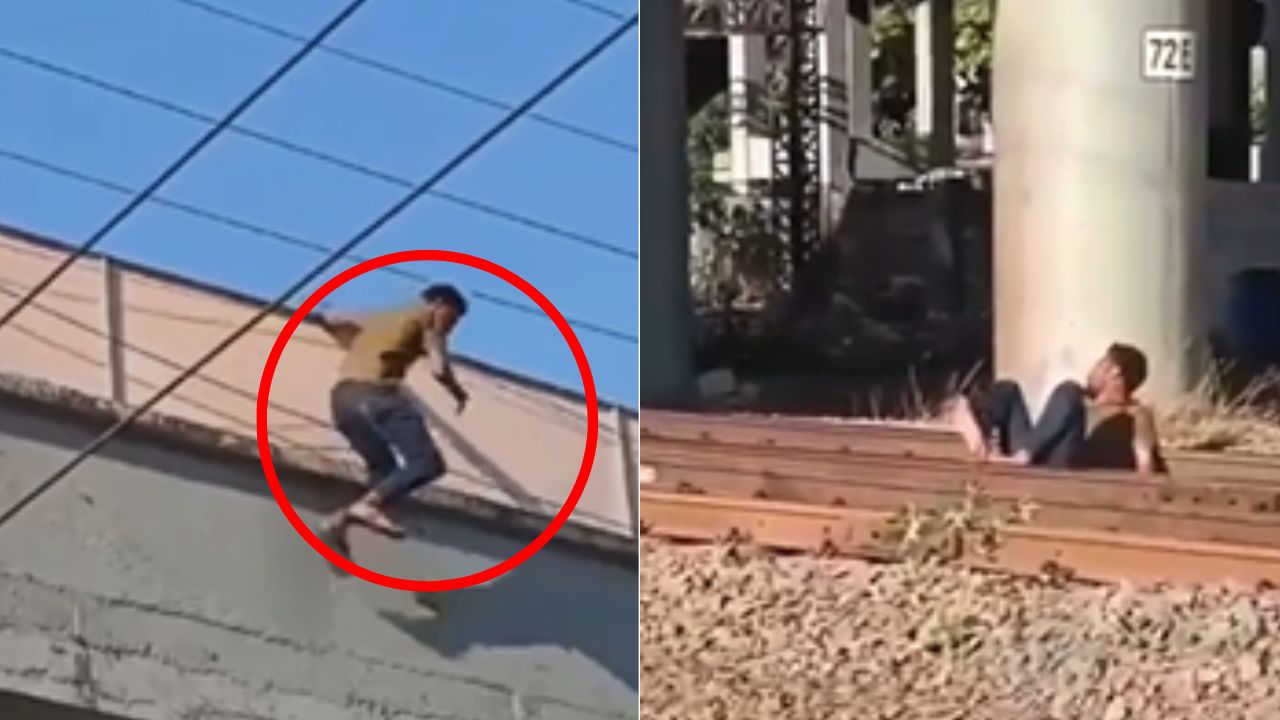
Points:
777	468
1209	513
854	532
901	440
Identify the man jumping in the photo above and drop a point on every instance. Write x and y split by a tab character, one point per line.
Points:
375	413
1098	425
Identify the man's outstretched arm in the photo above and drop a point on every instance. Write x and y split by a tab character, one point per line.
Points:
343	330
1146	442
437	351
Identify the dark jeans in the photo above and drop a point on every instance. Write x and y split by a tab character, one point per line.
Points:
380	422
1053	440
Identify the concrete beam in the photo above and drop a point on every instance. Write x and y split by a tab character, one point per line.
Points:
749	139
837	48
935	28
161	581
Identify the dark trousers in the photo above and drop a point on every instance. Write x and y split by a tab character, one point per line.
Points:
381	422
1053	439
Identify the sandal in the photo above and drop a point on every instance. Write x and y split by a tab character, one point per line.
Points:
377	521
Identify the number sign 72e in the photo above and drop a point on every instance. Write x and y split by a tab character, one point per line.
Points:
1169	55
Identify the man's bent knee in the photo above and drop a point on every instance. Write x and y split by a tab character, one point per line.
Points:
406	481
1068	391
1005	389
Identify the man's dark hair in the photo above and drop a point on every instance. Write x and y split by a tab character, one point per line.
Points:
446	295
1131	363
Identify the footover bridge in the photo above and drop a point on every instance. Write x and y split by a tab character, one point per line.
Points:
160	580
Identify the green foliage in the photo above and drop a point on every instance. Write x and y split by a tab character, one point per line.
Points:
893	59
739	257
708	136
893	63
975	25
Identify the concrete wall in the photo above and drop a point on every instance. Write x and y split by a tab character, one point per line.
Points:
1244	232
160	581
102	326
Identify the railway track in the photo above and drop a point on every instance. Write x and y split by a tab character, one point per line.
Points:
841	488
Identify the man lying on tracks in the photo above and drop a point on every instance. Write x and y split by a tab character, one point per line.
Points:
1097	425
373	412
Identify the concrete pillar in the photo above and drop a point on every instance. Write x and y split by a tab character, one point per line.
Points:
1229	135
666	320
748	119
835	69
116	369
628	468
869	159
1099	186
935	38
1271	39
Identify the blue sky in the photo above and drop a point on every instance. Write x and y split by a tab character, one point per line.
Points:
397	129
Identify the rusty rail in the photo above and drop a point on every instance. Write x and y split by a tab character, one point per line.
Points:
855	436
1024	550
812	484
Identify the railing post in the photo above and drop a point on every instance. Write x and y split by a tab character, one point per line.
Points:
628	468
112	307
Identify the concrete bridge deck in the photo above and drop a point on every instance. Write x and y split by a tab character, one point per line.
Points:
120	331
161	581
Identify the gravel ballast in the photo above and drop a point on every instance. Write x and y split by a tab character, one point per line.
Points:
732	634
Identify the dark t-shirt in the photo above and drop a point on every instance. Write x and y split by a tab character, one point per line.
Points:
1111	433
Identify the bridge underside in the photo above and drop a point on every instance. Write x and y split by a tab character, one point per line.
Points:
1235	28
161	581
1210	117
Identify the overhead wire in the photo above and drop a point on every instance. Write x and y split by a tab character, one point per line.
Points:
418	78
351	166
280	432
574	237
186	157
160	359
289	239
41	338
479	144
15	288
596	8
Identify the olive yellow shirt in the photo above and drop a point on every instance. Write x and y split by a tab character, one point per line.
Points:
389	343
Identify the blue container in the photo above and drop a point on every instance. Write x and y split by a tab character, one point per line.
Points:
1253	315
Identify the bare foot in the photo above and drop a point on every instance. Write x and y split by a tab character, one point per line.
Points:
376	519
966	424
1018	458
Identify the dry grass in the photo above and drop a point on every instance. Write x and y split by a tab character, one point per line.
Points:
1213	419
921	407
969	528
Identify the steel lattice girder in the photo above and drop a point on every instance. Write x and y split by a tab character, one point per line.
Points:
792	98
